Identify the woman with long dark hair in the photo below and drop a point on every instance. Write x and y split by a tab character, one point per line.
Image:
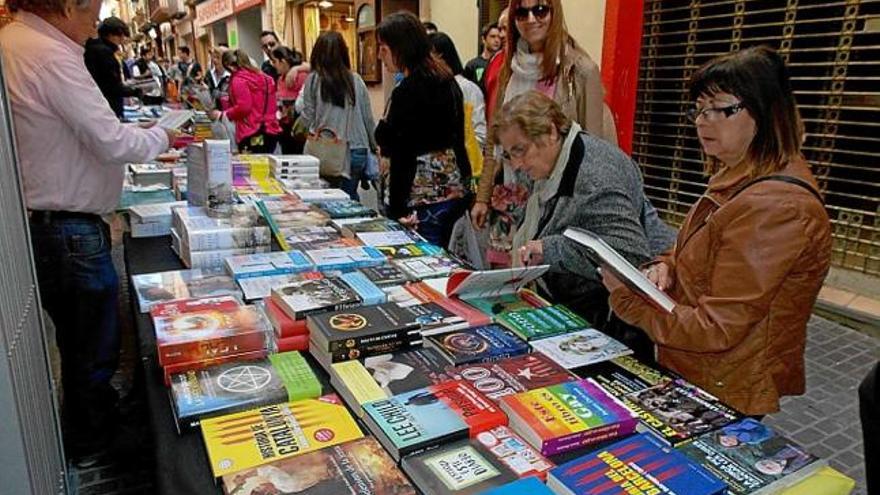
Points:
284	59
422	133
335	100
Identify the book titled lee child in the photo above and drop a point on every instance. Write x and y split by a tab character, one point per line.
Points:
258	436
491	459
155	288
567	416
266	264
425	418
478	345
364	331
540	323
638	464
683	410
302	298
198	335
358	467
406	371
581	348
752	458
512	375
235	386
345	258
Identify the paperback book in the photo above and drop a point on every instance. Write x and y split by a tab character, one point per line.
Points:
638	464
539	323
751	458
282	323
478	345
173	369
345	258
567	416
355	384
371	225
410	250
369	292
495	306
427	266
407	371
582	348
364	331
423	419
391	239
315	195
267	264
512	375
358	467
345	209
154	288
469	284
235	386
491	459
426	292
531	486
251	438
254	288
384	275
302	298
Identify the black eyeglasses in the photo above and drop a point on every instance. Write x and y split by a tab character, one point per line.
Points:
713	114
539	11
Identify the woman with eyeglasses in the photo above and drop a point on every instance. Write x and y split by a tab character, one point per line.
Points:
422	133
754	249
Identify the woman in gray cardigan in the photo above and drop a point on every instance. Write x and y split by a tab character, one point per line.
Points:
580	181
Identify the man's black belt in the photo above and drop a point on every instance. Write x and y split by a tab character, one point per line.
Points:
48	216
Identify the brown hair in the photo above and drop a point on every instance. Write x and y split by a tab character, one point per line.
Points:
554	48
534	113
759	78
330	61
409	44
239	59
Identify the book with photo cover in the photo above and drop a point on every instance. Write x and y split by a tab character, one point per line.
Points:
539	323
512	375
752	458
369	292
477	345
355	385
345	209
254	288
365	328
491	459
581	348
427	266
406	371
384	275
605	257
345	258
266	264
154	288
411	250
305	297
358	467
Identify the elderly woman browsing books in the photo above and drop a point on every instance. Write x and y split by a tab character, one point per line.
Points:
754	249
580	181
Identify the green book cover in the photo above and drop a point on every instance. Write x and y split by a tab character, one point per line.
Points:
539	323
297	376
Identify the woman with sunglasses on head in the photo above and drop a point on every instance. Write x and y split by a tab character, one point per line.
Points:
422	133
754	249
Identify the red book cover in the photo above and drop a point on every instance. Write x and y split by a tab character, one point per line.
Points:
294	343
172	369
423	292
199	335
221	303
284	325
512	375
474	408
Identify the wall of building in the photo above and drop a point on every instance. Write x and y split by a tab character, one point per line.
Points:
586	23
459	19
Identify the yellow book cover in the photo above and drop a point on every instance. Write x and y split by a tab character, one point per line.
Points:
358	381
257	436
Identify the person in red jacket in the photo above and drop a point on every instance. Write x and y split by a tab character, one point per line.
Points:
253	105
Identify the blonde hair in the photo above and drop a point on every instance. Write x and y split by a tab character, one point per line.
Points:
534	114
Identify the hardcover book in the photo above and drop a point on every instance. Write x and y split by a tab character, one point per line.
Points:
491	459
302	298
153	288
425	418
251	438
683	410
567	416
266	264
384	275
540	323
345	258
639	462
235	386
751	458
478	345
581	348
406	371
512	375
358	467
365	329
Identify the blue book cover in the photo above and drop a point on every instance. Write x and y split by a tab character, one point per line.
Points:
346	258
478	345
369	292
300	261
530	485
640	461
345	209
266	264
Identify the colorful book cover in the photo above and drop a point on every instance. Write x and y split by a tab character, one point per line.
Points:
684	411
406	371
265	264
172	369
581	348
181	306
261	287
531	486
345	209
751	458
207	334
258	436
210	233
390	239
539	323
425	418
371	225
512	375
355	384
567	416
302	298
240	385
638	464
369	292
384	275
154	288
427	266
492	458
494	306
345	258
478	345
425	292
361	328
410	250
358	467
284	325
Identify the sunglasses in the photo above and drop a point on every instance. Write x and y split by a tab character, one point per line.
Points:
270	44
539	11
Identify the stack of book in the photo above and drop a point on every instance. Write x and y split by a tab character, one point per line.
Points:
290	334
161	287
345	258
293	167
203	241
209	173
266	264
152	220
314	195
150	175
251	176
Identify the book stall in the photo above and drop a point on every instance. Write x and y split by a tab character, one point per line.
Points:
295	341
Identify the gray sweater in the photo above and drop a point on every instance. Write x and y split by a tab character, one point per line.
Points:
317	113
600	191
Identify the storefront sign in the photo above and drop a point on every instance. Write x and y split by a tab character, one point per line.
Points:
212	11
246	4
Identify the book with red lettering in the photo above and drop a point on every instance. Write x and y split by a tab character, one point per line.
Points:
512	375
425	418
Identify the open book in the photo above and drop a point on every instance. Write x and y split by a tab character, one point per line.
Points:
174	119
607	258
467	284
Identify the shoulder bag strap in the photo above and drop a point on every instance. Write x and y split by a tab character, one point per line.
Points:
781	178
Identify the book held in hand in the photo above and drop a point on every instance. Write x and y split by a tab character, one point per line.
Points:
605	257
581	348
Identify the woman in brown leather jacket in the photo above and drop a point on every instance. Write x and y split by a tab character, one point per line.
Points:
753	251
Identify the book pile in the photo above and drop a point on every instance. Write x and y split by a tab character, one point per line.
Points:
152	220
201	129
162	287
251	176
209	173
295	167
204	241
150	174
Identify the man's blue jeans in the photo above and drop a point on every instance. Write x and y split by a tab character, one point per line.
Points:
79	290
